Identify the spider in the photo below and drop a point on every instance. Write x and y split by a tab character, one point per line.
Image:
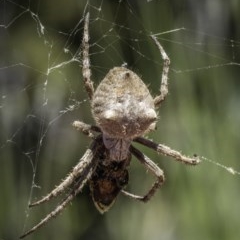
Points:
124	111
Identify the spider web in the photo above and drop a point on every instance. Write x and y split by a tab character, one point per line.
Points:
42	94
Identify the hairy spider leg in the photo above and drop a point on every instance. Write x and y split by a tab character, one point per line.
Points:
78	170
62	206
152	167
167	151
86	71
85	128
164	80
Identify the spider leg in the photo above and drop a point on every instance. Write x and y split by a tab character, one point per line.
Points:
85	128
65	202
164	81
167	151
78	171
86	71
150	165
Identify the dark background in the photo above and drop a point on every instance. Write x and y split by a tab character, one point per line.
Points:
40	99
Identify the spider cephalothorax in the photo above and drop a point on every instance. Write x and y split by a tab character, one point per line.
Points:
124	111
108	179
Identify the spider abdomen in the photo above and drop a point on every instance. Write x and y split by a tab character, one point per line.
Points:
122	105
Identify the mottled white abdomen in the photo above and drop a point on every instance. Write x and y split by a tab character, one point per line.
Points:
123	107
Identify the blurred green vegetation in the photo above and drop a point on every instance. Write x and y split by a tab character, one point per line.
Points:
201	115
